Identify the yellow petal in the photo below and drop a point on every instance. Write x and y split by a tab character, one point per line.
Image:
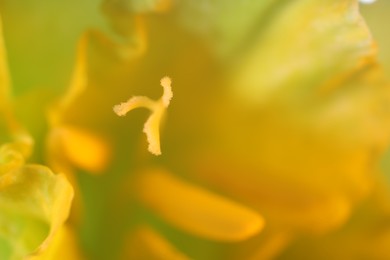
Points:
146	243
83	148
6	112
34	203
4	74
271	246
303	207
198	211
63	246
79	78
10	160
365	236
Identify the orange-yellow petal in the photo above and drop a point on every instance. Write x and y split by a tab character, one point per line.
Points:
34	204
84	149
4	74
196	210
146	243
63	246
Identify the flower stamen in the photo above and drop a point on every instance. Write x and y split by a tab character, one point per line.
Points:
158	108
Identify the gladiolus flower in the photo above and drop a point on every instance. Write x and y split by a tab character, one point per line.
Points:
269	149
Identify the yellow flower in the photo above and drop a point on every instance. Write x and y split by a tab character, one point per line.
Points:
270	147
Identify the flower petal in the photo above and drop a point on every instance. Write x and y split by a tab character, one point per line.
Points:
198	211
321	31
81	148
4	73
146	243
63	246
34	203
